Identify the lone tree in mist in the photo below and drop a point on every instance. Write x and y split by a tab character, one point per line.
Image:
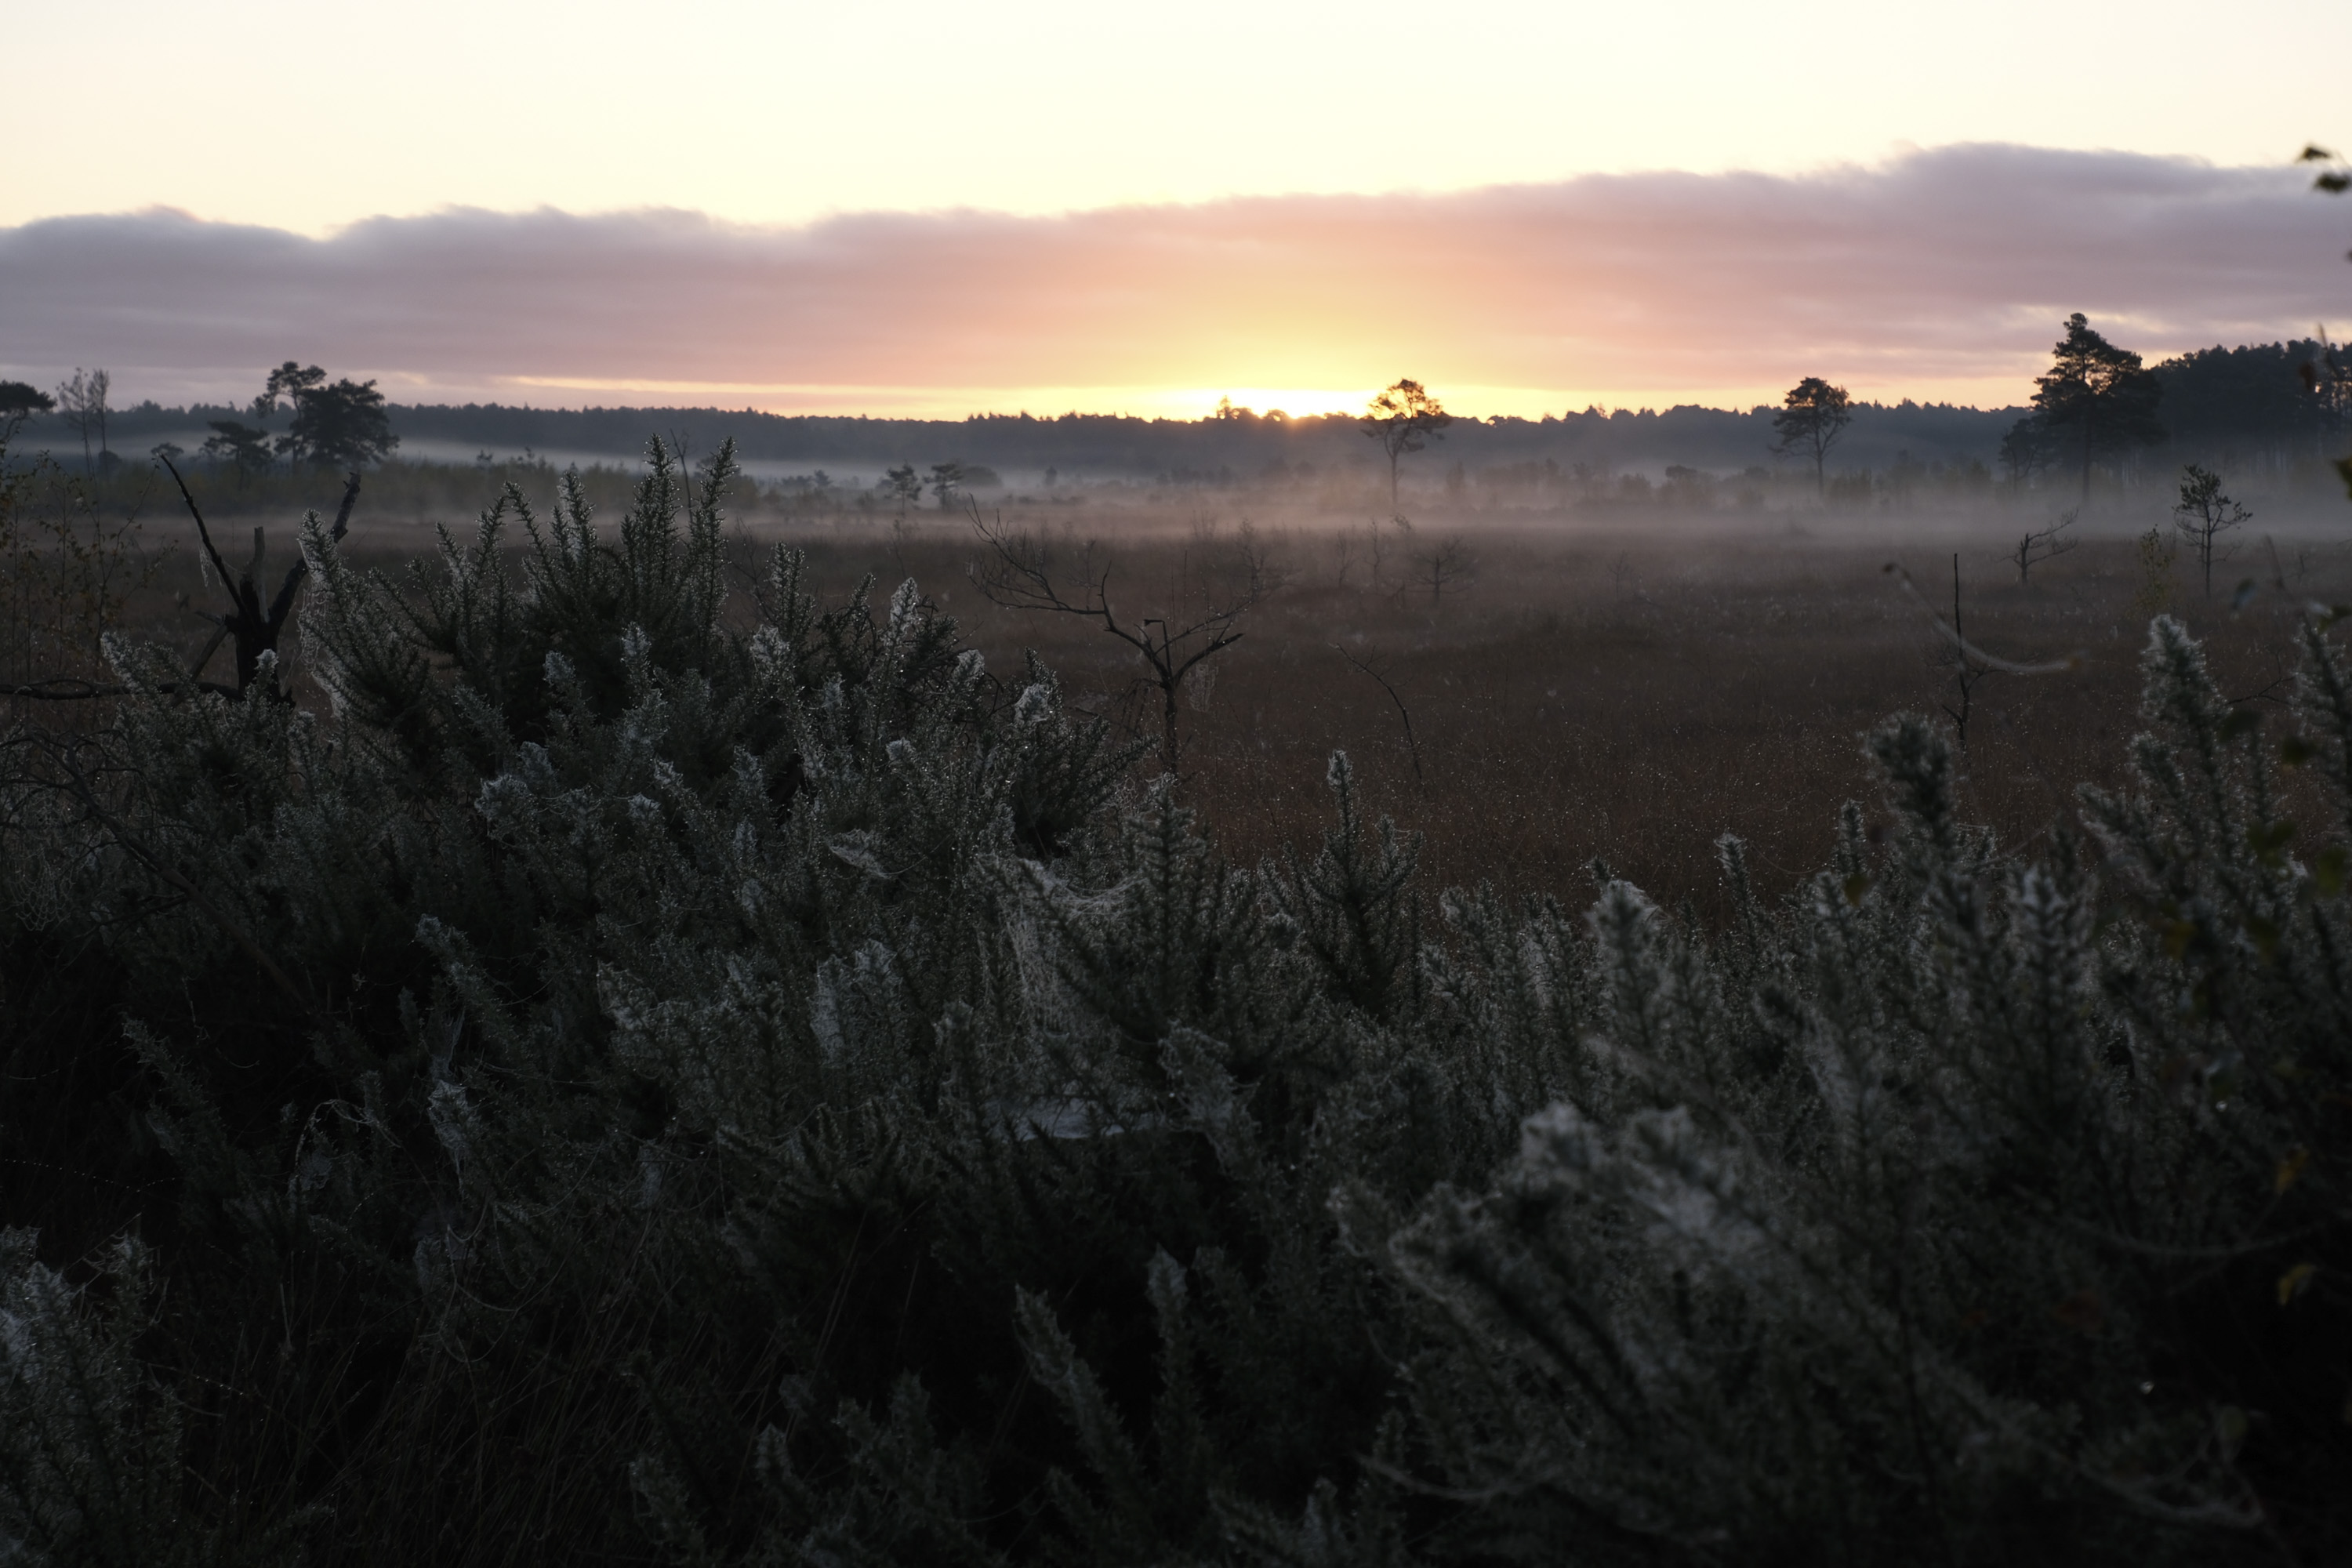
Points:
82	403
2095	402
1402	420
1446	562
1812	419
2203	515
241	446
340	425
947	483
902	485
343	425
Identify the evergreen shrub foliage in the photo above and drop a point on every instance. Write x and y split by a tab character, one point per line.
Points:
646	1077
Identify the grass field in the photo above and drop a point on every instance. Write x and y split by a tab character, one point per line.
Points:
1631	695
1623	687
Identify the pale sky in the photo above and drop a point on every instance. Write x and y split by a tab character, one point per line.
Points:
308	118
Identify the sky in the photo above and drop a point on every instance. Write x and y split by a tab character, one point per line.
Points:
918	207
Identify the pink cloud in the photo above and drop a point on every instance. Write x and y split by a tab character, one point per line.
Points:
1942	274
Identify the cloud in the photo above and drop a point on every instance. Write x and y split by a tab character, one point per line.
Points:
1942	274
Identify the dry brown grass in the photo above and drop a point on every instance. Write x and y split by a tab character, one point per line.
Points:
1625	690
1631	695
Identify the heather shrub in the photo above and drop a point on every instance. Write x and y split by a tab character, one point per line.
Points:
660	1068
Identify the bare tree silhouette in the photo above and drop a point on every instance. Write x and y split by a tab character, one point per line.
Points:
82	403
1023	570
2042	545
2203	515
1446	561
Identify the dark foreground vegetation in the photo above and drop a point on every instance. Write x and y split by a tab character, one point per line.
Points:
651	1072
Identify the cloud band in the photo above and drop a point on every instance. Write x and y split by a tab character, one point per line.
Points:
1941	274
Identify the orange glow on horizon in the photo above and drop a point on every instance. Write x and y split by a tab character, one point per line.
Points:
850	400
1954	271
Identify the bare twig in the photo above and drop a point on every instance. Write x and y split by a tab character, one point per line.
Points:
202	532
1445	561
2044	544
1411	745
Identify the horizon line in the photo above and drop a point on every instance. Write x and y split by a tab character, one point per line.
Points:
1241	412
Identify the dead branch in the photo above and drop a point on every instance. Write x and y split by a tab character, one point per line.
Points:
1411	745
253	627
2044	544
1020	572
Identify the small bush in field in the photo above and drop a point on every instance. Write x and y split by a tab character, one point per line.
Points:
641	1079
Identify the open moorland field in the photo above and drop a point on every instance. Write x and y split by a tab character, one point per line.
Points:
900	1068
1625	688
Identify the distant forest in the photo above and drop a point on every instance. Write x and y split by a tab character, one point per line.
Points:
2247	409
1241	445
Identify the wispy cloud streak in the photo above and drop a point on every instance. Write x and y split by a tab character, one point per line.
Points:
1942	274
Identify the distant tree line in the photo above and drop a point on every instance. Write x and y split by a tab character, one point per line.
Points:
2265	406
1231	440
1243	443
342	424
